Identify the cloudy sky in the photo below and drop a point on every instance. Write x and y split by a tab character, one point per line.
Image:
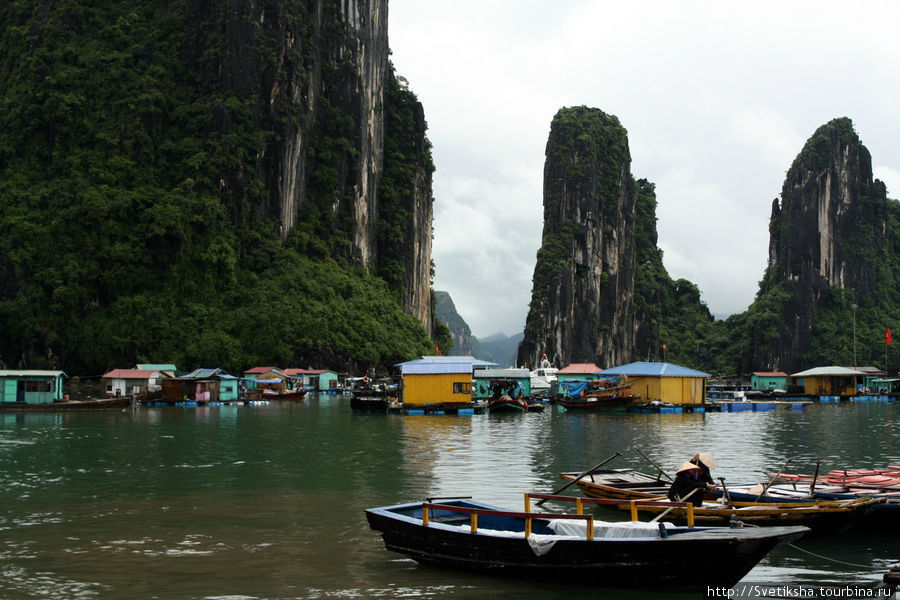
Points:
718	99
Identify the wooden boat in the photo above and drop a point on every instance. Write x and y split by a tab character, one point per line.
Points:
743	503
599	402
884	514
600	394
373	398
824	516
371	401
573	548
506	403
273	395
113	402
621	484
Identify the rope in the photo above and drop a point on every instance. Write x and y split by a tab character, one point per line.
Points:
842	562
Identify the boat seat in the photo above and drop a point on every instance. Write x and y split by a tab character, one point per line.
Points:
608	529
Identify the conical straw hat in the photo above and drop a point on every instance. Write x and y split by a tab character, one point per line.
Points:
707	459
686	466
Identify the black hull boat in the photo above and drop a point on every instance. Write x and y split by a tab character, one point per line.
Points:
507	403
573	548
116	402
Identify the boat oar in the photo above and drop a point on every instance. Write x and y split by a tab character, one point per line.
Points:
665	512
771	479
580	475
812	486
725	492
653	463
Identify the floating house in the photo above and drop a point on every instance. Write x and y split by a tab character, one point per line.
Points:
829	381
168	368
767	381
191	389
259	378
582	371
140	382
872	379
228	384
31	386
664	382
439	381
319	380
487	381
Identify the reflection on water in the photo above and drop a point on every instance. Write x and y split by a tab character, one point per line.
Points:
267	502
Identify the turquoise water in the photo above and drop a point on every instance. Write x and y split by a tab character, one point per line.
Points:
266	502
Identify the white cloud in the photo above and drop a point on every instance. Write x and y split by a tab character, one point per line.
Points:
718	99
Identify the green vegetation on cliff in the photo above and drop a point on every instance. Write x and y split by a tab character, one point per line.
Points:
668	313
117	244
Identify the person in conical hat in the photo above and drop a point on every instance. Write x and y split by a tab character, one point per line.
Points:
687	481
706	462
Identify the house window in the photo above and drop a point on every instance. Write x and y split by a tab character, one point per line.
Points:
462	388
37	386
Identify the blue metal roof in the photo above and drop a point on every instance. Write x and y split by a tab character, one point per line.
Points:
208	373
654	369
442	364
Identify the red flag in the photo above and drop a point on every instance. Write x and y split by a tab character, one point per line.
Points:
664	347
887	335
436	349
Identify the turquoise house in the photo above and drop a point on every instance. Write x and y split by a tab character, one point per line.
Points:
270	375
228	384
31	387
768	380
486	379
318	380
168	368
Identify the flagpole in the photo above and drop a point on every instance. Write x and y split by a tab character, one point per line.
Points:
887	341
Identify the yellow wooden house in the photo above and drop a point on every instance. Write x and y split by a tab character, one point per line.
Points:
829	381
438	380
663	382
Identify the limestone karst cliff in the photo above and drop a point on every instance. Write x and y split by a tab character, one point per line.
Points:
832	259
600	290
583	285
317	76
210	183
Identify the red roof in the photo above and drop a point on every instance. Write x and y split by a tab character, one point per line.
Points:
261	369
580	368
305	371
130	374
769	374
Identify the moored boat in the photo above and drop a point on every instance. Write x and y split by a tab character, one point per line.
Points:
506	403
283	395
600	394
622	484
67	405
543	377
822	516
573	548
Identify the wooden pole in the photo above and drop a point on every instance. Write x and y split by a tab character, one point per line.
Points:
654	464
580	475
812	486
766	487
725	492
683	501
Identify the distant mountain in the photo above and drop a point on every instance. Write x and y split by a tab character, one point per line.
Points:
464	343
500	349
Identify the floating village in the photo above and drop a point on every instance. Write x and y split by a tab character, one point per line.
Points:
461	385
662	517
